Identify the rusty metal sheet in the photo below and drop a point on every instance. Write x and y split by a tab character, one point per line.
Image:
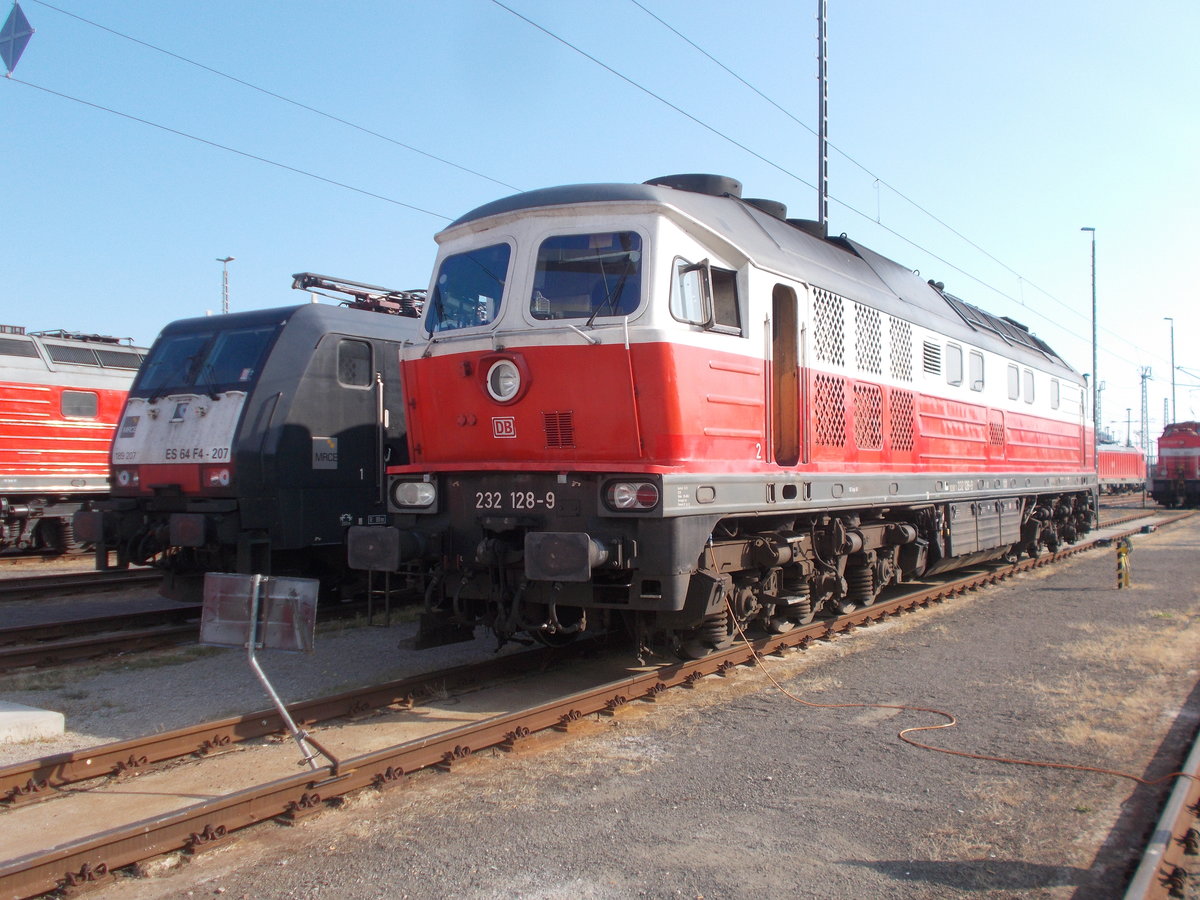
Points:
287	611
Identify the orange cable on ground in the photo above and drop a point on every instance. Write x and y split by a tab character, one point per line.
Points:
951	722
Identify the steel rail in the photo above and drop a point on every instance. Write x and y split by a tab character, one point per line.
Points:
65	628
55	653
1164	868
40	779
24	586
200	825
72	640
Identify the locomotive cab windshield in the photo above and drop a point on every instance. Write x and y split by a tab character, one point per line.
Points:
587	275
207	361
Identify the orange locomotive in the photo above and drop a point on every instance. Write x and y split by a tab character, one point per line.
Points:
669	405
60	396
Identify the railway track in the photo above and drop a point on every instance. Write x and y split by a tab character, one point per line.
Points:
24	587
1169	863
92	856
68	641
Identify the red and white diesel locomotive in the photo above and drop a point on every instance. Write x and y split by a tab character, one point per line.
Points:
1176	479
60	396
669	405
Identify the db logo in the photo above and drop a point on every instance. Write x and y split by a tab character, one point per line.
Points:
504	427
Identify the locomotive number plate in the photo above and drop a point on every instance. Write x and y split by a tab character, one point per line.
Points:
514	501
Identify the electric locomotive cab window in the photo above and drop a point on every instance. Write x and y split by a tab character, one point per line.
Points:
704	295
469	289
582	276
80	404
354	364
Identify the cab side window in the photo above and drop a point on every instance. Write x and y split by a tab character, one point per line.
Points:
354	364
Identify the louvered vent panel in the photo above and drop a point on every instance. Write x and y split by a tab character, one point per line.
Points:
10	347
933	358
829	411
560	429
828	328
83	356
901	333
867	339
868	416
901	420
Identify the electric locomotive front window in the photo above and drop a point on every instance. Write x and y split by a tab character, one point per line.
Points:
205	359
587	275
468	290
235	356
172	362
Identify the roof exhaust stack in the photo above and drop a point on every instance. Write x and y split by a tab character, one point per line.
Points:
713	185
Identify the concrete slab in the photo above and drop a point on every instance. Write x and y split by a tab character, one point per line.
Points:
19	724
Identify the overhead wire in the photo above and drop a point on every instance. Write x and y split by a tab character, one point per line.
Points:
225	147
855	162
278	96
629	81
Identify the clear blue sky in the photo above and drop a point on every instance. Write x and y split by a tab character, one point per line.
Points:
1013	123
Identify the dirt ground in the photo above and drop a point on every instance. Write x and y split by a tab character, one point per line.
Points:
735	790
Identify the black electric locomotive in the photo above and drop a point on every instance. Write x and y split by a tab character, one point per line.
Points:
250	442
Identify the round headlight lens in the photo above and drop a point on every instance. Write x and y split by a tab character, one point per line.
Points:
503	380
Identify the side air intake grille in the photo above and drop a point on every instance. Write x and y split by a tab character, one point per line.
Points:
560	429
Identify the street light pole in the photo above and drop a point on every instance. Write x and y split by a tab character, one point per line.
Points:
1095	355
1172	321
225	261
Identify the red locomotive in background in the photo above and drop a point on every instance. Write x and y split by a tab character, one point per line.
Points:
1121	469
60	396
1176	480
666	405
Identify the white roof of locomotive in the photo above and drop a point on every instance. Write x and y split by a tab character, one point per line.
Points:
837	264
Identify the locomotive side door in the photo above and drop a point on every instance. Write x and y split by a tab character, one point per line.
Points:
785	376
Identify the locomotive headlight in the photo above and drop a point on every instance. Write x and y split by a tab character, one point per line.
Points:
413	494
217	477
631	495
503	380
127	478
